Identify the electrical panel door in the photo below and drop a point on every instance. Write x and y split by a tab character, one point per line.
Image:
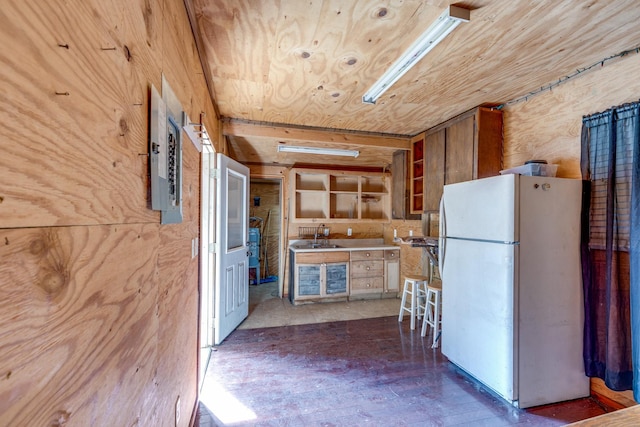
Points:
165	152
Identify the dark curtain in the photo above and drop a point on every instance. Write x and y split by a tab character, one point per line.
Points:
610	166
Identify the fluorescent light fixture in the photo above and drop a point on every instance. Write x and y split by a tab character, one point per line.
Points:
446	23
316	150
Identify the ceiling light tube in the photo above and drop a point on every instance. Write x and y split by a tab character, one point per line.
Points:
446	23
316	150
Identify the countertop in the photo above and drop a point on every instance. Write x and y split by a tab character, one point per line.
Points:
344	245
418	241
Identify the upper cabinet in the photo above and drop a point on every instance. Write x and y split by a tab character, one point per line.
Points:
464	148
401	183
417	174
340	196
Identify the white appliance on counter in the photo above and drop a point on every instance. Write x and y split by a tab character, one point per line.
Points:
512	306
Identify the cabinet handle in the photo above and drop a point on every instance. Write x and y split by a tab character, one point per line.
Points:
368	254
368	268
368	285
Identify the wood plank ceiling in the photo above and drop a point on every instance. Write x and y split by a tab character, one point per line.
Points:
292	64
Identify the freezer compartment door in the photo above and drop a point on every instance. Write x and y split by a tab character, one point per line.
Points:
483	209
478	312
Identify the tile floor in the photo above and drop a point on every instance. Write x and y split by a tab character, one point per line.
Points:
365	371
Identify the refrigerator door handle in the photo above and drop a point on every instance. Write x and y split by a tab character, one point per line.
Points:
442	226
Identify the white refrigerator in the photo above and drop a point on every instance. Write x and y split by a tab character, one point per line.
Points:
512	307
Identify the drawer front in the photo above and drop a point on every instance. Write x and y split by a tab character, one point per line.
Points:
321	257
390	254
367	268
364	255
370	284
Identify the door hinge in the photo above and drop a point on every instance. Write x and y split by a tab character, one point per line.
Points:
212	248
214	173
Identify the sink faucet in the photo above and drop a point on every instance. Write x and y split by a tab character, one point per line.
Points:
315	235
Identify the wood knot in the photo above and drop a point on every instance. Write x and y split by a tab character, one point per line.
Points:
61	418
382	12
123	126
53	283
37	247
127	53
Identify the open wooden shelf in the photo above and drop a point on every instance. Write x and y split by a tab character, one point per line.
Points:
341	195
417	174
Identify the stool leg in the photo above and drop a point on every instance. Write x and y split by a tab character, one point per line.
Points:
421	293
423	331
403	302
413	304
428	315
436	319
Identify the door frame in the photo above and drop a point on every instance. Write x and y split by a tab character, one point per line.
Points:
280	174
206	257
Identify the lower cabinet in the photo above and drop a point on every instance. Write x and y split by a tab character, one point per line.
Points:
339	275
375	273
391	272
367	272
321	275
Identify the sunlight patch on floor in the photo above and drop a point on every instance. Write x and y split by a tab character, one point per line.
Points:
225	406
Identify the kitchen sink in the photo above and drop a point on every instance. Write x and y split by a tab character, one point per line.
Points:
316	246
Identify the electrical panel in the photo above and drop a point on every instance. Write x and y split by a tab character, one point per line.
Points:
165	152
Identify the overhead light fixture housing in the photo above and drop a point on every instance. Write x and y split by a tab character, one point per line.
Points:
447	22
316	150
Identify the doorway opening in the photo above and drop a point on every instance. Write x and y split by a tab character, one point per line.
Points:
265	241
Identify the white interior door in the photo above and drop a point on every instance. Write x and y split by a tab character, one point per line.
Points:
232	260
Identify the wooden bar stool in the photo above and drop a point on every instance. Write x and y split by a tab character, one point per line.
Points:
433	310
414	286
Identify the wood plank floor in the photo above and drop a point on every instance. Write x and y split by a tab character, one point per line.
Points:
370	372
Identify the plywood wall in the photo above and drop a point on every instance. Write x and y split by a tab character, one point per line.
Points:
98	301
548	127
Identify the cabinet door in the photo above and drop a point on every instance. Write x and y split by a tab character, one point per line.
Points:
398	184
459	151
392	271
488	144
336	278
308	280
434	170
392	276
